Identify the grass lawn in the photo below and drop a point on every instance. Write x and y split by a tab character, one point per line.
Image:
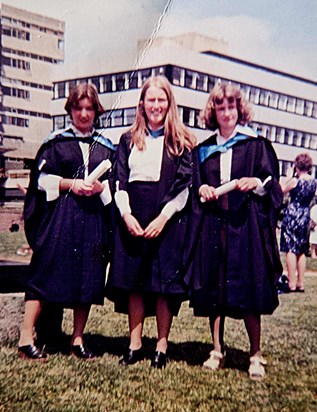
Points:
66	384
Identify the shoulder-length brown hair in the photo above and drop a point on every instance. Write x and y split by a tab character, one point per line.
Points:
176	135
303	162
81	91
216	97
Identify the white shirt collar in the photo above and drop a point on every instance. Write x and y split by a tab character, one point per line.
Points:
238	129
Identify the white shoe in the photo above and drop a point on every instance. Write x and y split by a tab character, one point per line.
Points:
256	369
215	361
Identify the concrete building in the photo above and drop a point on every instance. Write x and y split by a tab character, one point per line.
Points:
31	44
285	104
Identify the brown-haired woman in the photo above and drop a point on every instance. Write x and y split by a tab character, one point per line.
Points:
153	174
66	222
301	187
236	263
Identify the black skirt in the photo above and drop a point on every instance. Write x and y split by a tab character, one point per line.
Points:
136	266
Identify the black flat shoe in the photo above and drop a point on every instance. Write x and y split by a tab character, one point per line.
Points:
159	360
31	352
131	357
81	352
300	290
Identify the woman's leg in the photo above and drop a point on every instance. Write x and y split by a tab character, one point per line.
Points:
164	320
291	265
217	355
136	320
217	331
313	251
253	326
81	314
301	267
252	323
32	310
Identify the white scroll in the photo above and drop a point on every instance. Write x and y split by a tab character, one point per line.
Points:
98	171
225	188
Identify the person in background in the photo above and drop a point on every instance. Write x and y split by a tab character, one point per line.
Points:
67	223
294	241
236	264
313	232
153	175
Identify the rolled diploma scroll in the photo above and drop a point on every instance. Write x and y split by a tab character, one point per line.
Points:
221	190
98	171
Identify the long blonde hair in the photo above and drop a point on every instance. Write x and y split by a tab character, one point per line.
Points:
176	135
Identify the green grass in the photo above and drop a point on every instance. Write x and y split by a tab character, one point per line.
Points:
66	384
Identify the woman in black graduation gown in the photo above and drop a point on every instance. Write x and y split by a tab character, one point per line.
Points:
67	223
236	264
153	174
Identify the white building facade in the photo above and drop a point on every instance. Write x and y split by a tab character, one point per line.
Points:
285	105
31	44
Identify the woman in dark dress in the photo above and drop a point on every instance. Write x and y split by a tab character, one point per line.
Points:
67	223
295	225
153	174
236	263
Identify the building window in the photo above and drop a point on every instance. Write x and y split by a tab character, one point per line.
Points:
299	106
190	79
308	108
254	95
106	84
289	137
117	118
58	122
60	44
291	102
129	116
96	81
119	81
133	80
282	102
71	85
61	90
313	141
178	76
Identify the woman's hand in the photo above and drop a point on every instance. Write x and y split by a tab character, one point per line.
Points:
133	225
80	188
247	183
155	227
207	193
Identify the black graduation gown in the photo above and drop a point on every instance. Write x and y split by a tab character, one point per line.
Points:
236	262
69	236
150	266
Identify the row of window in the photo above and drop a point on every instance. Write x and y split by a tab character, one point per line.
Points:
31	56
27	112
14	22
190	117
15	121
109	83
286	136
18	63
19	34
190	79
15	92
262	97
27	84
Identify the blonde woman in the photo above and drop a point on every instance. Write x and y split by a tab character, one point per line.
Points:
153	174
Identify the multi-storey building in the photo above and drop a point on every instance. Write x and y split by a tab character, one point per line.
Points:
285	104
30	45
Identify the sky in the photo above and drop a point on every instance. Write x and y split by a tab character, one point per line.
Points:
275	33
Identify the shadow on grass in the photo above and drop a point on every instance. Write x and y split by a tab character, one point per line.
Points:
193	353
